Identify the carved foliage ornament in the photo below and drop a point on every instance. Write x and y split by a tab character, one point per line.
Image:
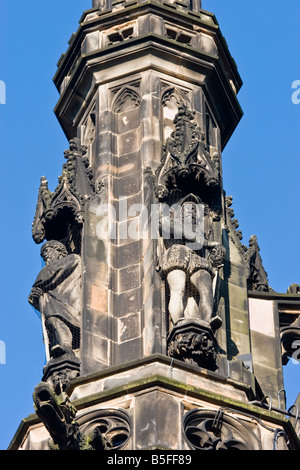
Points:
198	348
232	226
185	156
75	187
257	276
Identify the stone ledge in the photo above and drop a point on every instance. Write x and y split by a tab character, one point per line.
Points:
158	381
157	364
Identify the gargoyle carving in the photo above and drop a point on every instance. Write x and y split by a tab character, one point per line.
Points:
97	429
59	417
185	157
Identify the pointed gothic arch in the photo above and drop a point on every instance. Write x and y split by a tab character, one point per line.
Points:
126	99
171	99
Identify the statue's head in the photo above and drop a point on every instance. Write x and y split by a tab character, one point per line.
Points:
190	208
190	211
53	250
253	240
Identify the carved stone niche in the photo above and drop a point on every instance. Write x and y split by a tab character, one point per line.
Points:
191	275
57	291
194	342
218	430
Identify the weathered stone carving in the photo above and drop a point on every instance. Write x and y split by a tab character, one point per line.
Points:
193	343
189	268
59	417
171	99
258	279
89	129
190	264
232	227
61	370
114	425
290	336
102	429
257	276
217	430
76	186
174	95
294	289
56	294
185	157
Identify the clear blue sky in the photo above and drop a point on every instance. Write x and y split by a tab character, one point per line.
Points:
261	161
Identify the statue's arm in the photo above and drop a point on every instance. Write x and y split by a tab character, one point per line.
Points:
34	297
50	278
211	244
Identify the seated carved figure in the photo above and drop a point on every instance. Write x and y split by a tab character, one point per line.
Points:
183	265
56	294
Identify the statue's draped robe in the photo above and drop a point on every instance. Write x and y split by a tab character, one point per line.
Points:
60	282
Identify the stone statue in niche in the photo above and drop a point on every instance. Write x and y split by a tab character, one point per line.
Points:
56	294
189	265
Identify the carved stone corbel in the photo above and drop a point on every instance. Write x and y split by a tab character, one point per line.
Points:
195	343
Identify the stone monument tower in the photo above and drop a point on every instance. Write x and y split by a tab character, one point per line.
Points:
160	328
